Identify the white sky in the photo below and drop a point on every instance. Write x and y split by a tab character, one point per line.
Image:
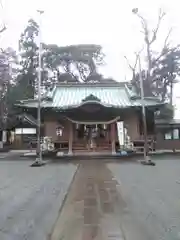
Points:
106	22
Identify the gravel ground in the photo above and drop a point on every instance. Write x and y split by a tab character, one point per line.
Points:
30	198
152	198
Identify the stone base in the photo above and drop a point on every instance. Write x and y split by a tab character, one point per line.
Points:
70	154
114	153
38	163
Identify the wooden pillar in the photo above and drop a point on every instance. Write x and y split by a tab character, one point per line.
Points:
70	138
113	138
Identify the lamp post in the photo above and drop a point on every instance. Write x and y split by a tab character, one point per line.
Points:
143	112
146	147
39	161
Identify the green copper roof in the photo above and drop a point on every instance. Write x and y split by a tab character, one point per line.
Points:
66	96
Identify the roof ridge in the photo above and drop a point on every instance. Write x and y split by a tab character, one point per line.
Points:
90	84
50	93
27	100
152	98
131	94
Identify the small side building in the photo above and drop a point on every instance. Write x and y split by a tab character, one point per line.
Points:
168	134
23	131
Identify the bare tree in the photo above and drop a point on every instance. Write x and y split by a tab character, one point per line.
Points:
162	67
134	66
150	36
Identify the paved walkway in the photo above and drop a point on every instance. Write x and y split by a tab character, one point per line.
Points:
90	210
30	198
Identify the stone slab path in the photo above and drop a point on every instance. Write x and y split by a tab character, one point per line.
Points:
90	210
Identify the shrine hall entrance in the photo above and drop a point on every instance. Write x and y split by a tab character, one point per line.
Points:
93	137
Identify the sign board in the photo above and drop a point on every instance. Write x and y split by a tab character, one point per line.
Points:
19	131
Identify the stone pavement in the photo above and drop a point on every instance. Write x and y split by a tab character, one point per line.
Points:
13	154
30	198
90	210
152	197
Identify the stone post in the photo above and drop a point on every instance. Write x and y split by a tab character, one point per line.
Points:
70	138
113	136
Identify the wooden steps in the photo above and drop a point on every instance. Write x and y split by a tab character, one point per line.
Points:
79	146
98	147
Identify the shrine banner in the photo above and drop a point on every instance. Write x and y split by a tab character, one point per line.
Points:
120	130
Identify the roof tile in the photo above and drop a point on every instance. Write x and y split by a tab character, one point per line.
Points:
67	96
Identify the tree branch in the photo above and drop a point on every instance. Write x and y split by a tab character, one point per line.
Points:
3	29
130	66
167	37
155	31
165	49
137	54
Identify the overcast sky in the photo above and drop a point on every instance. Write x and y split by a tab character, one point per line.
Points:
106	22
